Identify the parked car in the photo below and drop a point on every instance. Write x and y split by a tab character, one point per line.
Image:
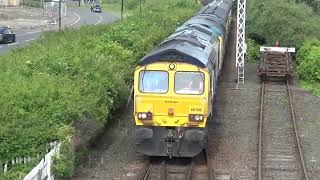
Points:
96	8
6	35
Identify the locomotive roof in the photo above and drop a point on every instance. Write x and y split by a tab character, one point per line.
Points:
197	27
214	27
203	39
181	51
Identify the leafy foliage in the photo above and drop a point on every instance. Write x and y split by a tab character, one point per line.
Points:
308	65
75	75
253	53
287	21
315	4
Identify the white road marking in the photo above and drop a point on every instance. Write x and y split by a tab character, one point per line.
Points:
99	19
29	40
78	19
13	43
33	32
1	47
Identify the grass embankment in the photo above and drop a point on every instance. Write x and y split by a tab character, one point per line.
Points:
293	24
74	76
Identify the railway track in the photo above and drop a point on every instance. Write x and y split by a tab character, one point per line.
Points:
280	153
162	168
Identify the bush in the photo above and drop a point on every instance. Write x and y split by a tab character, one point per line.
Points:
253	51
308	65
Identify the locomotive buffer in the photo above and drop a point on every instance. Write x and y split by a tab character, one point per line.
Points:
276	62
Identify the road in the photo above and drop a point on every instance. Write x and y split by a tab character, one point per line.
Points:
83	17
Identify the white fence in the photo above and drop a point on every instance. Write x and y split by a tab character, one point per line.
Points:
43	169
4	166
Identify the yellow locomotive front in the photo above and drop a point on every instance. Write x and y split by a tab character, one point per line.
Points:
171	108
175	83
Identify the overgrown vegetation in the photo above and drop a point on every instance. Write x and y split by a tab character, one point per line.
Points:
308	66
314	4
289	22
75	75
253	53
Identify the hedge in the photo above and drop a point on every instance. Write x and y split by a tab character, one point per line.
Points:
75	75
308	66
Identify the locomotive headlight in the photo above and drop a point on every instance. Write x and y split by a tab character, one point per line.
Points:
196	117
172	66
144	115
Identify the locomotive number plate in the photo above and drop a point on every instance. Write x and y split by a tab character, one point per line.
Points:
196	109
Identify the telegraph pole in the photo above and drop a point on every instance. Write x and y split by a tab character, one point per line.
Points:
59	15
121	9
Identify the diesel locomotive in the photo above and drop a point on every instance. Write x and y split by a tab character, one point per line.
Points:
175	84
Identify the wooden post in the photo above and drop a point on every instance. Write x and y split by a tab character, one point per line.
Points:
5	167
131	92
122	9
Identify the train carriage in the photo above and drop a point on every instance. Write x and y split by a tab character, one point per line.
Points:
174	86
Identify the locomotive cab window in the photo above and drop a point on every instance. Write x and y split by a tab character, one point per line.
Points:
153	81
189	83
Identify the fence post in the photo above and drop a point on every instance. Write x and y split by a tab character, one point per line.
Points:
49	165
5	167
1	167
39	174
121	9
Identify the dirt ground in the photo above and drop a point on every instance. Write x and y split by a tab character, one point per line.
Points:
25	18
232	131
114	151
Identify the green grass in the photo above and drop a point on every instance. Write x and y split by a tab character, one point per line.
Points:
311	86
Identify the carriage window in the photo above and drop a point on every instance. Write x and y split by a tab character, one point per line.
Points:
153	81
188	82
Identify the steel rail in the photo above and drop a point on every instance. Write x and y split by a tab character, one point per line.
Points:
295	129
296	132
260	129
163	172
210	174
145	173
188	177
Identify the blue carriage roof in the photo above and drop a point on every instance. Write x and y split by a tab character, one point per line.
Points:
178	51
198	27
214	27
